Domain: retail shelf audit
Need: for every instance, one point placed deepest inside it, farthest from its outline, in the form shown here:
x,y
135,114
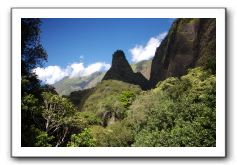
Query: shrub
x,y
178,112
84,139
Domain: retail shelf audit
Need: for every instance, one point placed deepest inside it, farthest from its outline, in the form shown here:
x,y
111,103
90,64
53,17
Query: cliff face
x,y
122,71
189,43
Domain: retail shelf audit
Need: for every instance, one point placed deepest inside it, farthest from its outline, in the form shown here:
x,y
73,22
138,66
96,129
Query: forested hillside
x,y
128,109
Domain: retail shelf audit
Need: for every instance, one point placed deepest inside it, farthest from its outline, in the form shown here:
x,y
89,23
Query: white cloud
x,y
140,52
78,69
52,74
95,68
75,69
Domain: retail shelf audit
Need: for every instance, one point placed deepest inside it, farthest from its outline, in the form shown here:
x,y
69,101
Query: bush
x,y
178,112
115,135
126,98
84,139
42,138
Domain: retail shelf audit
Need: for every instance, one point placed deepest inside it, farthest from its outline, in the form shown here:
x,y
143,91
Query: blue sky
x,y
92,41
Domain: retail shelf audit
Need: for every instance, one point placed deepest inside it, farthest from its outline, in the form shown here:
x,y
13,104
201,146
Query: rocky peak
x,y
122,71
189,43
118,56
120,63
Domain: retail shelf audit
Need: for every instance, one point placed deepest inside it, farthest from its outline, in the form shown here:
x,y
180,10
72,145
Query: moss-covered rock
x,y
189,43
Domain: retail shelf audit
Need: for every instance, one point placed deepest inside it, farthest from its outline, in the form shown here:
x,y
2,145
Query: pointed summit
x,y
122,71
120,63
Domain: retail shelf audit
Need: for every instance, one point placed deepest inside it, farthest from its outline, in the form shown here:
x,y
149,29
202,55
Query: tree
x,y
32,51
112,109
30,115
32,55
57,112
42,138
115,135
84,139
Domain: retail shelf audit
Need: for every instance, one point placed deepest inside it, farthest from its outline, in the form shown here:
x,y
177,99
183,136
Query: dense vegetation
x,y
178,112
32,55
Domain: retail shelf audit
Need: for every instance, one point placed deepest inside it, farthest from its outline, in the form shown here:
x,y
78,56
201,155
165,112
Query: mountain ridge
x,y
68,85
189,43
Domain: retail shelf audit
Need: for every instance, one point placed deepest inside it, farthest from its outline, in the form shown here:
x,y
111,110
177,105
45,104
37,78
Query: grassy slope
x,y
105,92
68,85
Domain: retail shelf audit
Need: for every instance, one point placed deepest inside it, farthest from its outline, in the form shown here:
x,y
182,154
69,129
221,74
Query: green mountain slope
x,y
178,112
109,99
108,110
68,85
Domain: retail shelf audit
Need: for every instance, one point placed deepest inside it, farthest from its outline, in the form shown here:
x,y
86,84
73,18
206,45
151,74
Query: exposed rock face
x,y
122,71
189,43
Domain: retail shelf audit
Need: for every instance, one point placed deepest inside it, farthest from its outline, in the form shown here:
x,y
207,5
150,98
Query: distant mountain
x,y
68,85
144,67
189,43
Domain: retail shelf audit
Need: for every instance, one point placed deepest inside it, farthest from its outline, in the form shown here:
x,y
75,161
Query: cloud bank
x,y
52,74
140,52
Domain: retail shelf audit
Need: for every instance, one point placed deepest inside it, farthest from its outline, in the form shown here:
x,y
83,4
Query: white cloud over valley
x,y
145,52
52,74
